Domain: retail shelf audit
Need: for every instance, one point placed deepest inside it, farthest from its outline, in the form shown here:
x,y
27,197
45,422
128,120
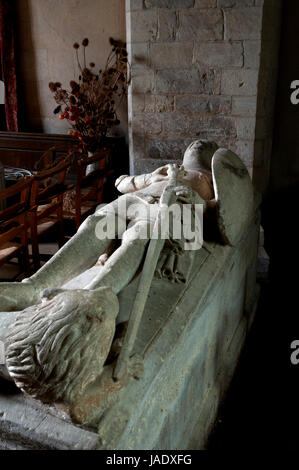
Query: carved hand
x,y
162,173
187,195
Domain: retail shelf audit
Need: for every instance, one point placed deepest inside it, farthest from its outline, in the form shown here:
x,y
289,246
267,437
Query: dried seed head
x,y
86,73
52,87
85,42
76,45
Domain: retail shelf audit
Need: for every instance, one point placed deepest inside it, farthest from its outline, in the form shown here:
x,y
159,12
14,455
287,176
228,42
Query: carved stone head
x,y
199,154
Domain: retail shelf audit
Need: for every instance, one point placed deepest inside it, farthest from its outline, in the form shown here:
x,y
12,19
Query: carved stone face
x,y
198,155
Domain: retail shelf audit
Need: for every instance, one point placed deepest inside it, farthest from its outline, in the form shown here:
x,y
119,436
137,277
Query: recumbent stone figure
x,y
59,325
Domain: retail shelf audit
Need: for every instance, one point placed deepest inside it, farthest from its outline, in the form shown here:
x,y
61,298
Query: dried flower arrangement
x,y
91,104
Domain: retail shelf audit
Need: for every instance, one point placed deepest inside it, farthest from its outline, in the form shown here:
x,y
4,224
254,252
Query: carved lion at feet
x,y
58,347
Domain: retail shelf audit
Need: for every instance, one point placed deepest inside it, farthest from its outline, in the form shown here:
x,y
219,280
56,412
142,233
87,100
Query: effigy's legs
x,y
76,256
122,265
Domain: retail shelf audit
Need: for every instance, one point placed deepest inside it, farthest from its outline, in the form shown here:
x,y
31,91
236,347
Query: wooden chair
x,y
13,224
47,160
46,205
89,187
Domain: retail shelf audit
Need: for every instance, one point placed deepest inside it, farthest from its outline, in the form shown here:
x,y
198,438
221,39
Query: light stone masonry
x,y
244,106
168,3
203,104
235,3
167,25
206,81
200,25
144,25
239,82
168,55
252,54
205,3
202,69
219,54
243,23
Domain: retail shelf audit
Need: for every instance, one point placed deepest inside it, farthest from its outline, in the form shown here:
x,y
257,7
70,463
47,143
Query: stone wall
x,y
47,31
195,74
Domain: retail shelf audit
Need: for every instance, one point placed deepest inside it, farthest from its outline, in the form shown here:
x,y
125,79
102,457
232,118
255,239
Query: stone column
x,y
195,74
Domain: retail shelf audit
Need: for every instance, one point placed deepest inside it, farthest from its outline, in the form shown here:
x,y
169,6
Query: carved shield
x,y
234,195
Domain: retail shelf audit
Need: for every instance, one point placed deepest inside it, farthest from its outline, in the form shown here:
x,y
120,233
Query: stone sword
x,y
168,197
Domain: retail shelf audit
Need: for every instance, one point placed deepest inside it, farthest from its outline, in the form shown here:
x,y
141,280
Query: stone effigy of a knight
x,y
65,338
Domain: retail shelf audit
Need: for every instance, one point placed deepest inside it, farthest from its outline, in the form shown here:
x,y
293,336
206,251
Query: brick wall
x,y
195,74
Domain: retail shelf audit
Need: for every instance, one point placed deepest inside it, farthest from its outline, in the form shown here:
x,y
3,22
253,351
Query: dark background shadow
x,y
261,410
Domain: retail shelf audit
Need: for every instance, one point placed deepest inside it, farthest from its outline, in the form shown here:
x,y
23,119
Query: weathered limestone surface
x,y
186,314
26,424
206,58
188,363
189,381
243,23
